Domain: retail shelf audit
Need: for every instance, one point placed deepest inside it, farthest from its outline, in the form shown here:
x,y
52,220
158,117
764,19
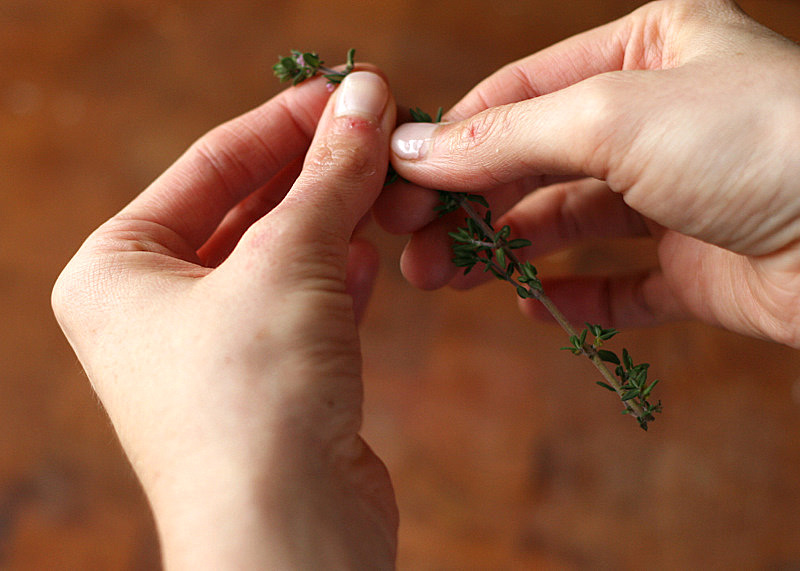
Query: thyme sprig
x,y
302,65
479,243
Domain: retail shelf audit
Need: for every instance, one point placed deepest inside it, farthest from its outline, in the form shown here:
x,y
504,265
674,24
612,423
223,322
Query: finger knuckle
x,y
346,159
481,140
599,112
480,134
70,298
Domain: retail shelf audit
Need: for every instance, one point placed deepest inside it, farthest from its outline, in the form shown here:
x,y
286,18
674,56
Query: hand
x,y
216,318
687,111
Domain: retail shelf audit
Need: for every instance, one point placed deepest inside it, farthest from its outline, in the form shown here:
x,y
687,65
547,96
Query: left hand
x,y
216,318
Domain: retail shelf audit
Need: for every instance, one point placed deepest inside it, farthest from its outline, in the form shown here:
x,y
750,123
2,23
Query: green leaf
x,y
626,359
285,69
312,60
419,116
473,227
649,389
628,395
501,257
523,292
518,243
607,334
608,356
606,386
528,271
477,198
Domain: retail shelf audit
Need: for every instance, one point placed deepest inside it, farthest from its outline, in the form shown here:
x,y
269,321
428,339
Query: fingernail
x,y
363,94
411,141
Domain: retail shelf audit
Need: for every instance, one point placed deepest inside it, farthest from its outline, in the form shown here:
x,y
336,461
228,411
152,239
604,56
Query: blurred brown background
x,y
503,452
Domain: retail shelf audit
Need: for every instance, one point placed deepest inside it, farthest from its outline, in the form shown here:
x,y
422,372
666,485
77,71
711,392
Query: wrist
x,y
302,513
306,523
210,521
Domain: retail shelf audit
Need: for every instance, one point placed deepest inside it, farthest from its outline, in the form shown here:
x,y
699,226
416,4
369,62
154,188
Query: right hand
x,y
680,120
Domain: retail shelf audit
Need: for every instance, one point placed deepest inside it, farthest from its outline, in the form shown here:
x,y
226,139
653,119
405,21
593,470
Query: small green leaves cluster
x,y
529,277
633,387
636,388
578,342
451,201
420,116
479,243
302,65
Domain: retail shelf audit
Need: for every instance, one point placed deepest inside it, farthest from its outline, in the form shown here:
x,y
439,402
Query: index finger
x,y
645,39
570,61
230,162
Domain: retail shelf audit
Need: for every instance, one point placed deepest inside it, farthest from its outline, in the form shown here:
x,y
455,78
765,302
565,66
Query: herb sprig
x,y
479,243
302,65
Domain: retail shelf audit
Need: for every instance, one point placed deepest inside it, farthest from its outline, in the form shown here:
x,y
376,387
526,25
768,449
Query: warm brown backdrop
x,y
503,453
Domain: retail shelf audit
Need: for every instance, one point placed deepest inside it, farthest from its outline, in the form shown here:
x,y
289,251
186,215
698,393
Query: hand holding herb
x,y
230,364
668,154
630,154
233,378
479,243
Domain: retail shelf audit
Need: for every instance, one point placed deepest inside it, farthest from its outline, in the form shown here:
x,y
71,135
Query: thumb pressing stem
x,y
346,164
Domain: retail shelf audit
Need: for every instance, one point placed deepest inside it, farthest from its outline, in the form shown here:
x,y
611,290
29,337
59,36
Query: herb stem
x,y
463,202
589,351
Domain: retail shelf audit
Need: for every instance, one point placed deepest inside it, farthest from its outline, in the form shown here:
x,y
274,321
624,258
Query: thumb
x,y
345,167
561,133
342,175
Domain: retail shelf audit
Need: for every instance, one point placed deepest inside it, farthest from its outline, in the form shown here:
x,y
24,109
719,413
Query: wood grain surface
x,y
503,453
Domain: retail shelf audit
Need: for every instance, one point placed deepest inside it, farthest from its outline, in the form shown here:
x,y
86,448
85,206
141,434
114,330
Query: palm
x,y
752,295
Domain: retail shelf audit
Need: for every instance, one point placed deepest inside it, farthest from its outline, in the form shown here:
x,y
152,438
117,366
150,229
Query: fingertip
x,y
470,155
412,141
425,262
403,207
362,94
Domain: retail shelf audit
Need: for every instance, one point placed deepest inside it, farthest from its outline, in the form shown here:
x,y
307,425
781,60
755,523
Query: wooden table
x,y
502,455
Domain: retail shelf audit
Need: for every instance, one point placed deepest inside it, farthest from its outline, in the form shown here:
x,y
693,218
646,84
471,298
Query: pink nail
x,y
362,93
412,141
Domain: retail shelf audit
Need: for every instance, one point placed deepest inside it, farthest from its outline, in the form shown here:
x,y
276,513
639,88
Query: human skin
x,y
678,121
215,316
